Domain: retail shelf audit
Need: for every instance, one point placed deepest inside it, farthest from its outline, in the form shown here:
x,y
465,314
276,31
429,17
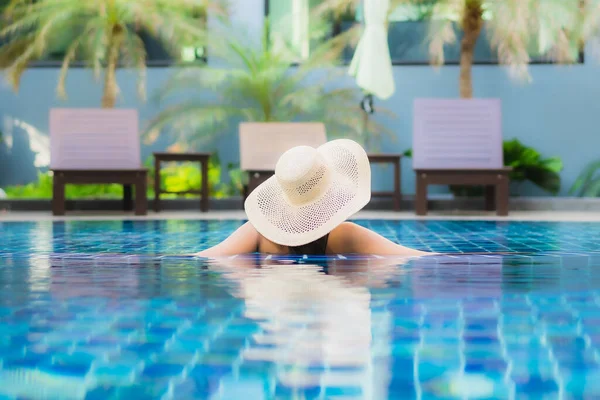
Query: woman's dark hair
x,y
317,247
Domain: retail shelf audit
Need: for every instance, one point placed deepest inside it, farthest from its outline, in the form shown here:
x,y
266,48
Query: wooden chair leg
x,y
156,185
58,195
421,196
490,198
141,200
502,194
127,200
205,188
252,182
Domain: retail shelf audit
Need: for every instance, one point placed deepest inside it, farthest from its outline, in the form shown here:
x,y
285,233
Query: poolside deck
x,y
565,216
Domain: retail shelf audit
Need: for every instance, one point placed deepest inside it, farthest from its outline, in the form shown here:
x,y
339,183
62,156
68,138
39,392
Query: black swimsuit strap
x,y
322,250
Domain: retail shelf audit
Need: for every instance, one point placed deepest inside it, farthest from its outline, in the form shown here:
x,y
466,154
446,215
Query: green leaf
x,y
553,164
544,178
263,84
528,165
585,178
592,189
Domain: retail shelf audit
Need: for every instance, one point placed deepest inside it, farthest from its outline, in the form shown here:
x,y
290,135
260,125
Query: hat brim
x,y
349,190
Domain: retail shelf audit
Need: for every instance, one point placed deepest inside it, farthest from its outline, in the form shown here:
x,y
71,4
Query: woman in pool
x,y
303,208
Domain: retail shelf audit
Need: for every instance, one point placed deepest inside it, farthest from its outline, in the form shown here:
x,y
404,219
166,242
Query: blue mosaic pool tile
x,y
162,370
401,389
24,360
584,384
522,322
225,345
212,367
491,366
175,355
537,386
102,393
201,333
201,383
114,374
77,364
145,348
146,391
344,392
310,392
256,367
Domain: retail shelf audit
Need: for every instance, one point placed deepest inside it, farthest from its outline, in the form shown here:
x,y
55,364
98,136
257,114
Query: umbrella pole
x,y
365,132
366,105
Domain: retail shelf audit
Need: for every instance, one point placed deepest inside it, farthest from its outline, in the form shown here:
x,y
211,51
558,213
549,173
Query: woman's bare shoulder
x,y
349,237
346,228
244,240
346,225
341,238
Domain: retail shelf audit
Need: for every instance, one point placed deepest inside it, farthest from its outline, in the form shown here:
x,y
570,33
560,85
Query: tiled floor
x,y
172,237
111,310
592,216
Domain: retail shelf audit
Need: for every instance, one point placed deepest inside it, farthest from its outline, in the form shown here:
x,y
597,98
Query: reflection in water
x,y
318,324
33,384
131,326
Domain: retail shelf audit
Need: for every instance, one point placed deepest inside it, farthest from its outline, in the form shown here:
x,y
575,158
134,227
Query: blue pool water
x,y
101,310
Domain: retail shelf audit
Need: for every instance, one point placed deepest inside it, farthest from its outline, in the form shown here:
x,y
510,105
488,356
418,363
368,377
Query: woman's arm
x,y
353,238
244,240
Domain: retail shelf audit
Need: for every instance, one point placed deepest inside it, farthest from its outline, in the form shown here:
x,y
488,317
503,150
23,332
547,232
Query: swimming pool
x,y
101,310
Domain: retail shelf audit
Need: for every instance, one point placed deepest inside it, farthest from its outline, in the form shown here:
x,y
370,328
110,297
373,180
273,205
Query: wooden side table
x,y
202,158
394,159
255,178
496,182
126,177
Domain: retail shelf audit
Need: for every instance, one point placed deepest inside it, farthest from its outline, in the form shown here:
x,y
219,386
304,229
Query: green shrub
x,y
528,165
42,189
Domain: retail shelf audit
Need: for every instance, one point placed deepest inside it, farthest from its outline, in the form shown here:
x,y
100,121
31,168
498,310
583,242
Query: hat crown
x,y
303,174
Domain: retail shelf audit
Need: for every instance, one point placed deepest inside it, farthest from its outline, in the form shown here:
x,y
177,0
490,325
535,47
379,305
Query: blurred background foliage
x,y
174,177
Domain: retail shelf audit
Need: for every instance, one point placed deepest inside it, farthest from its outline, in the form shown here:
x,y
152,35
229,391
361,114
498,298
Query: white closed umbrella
x,y
372,64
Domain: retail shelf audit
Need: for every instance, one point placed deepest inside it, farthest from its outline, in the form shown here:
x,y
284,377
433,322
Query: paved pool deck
x,y
564,216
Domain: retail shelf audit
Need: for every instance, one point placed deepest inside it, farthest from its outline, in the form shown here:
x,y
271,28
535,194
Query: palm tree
x,y
261,83
517,29
105,34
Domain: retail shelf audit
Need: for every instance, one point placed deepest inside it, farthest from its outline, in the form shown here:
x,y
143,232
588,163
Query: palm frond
x,y
590,20
69,57
260,83
18,66
441,28
134,55
194,79
519,29
85,30
334,7
509,31
200,116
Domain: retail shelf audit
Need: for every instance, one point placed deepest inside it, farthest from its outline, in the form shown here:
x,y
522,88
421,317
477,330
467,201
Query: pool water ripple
x,y
113,310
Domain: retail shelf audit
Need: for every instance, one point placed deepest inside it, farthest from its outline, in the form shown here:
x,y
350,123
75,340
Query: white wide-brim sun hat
x,y
312,192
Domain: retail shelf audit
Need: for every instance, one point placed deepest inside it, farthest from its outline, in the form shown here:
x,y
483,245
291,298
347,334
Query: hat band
x,y
311,189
